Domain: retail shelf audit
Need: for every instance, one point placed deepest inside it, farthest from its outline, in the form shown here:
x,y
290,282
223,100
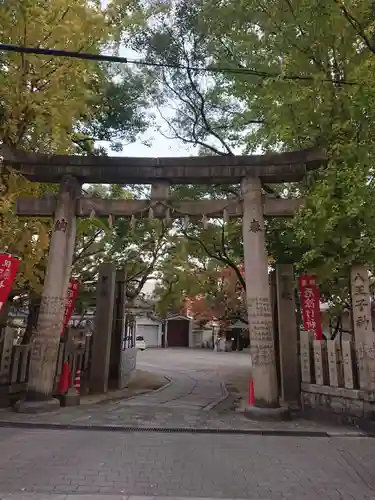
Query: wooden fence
x,y
75,348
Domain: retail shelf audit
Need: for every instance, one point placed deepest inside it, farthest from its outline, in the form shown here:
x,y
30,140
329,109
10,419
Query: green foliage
x,y
301,76
196,257
137,251
120,114
61,105
311,40
42,98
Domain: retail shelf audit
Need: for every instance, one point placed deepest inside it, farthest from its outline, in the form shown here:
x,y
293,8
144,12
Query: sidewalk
x,y
150,464
169,445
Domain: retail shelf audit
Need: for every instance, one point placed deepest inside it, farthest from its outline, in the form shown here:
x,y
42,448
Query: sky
x,y
160,145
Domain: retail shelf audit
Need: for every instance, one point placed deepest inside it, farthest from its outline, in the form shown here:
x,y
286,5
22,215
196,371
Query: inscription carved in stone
x,y
37,350
363,334
61,225
263,354
255,226
261,332
286,284
348,364
306,343
318,362
333,363
260,319
50,319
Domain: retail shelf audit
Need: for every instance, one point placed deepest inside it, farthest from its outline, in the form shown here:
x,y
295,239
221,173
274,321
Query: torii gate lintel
x,y
87,207
226,169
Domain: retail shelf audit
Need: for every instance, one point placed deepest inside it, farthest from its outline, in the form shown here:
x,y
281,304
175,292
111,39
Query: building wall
x,y
179,332
140,321
199,336
128,366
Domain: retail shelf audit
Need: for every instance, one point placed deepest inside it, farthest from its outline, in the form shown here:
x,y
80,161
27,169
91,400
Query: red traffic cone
x,y
251,392
64,380
77,381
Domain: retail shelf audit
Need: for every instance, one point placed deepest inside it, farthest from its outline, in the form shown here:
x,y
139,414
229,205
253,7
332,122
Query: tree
x,y
295,76
193,110
196,261
321,94
59,105
224,302
136,250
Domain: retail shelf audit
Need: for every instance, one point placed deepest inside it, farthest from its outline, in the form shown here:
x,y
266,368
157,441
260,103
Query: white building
x,y
150,329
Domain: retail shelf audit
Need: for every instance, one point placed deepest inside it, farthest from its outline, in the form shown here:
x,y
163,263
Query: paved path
x,y
197,384
196,378
107,451
185,465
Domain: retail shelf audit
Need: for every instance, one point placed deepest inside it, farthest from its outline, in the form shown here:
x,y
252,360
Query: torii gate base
x,y
251,171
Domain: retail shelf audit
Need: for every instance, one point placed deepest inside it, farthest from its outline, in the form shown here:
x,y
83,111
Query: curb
x,y
167,384
185,430
124,398
215,403
37,494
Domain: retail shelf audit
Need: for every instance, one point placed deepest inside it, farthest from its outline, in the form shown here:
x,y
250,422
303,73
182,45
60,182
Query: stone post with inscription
x,y
288,333
118,327
102,338
46,340
362,327
259,305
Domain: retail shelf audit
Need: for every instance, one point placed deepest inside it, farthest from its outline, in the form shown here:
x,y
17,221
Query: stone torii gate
x,y
70,172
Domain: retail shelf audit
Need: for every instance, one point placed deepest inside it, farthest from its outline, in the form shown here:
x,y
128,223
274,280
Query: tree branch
x,y
229,261
218,256
86,246
202,111
356,25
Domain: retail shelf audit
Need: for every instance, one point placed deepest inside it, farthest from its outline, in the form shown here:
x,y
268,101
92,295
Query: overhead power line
x,y
207,69
62,53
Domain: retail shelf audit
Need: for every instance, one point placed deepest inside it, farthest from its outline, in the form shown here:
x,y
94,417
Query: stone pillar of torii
x,y
253,206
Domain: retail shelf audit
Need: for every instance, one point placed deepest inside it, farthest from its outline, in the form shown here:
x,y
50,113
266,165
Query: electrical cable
x,y
206,69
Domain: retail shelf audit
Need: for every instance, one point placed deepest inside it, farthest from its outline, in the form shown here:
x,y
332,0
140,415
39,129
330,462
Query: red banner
x,y
8,270
310,304
71,302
